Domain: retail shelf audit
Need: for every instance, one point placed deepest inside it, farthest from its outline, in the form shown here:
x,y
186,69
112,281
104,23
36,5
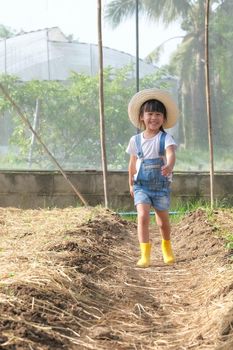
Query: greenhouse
x,y
47,54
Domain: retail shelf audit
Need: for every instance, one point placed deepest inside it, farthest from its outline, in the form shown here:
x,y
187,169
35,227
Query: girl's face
x,y
152,120
152,115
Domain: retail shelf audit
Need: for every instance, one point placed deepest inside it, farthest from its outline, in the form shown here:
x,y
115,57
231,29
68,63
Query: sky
x,y
79,18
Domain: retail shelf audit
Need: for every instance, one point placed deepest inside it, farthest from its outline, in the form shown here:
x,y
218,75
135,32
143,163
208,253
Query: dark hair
x,y
153,106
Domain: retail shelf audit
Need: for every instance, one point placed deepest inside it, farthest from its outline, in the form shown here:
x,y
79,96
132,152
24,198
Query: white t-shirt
x,y
150,147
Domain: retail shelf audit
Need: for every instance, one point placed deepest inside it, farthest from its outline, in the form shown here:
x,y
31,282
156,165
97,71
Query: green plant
x,y
68,121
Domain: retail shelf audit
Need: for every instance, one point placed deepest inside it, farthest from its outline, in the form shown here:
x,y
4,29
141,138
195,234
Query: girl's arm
x,y
132,170
171,159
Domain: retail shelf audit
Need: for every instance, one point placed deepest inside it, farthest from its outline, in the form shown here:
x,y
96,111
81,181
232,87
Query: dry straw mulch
x,y
68,281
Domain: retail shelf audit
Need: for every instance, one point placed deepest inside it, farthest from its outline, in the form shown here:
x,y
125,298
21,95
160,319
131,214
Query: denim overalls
x,y
151,186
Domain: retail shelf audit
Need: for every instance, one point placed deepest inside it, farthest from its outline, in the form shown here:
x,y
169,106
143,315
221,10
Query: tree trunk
x,y
186,111
199,98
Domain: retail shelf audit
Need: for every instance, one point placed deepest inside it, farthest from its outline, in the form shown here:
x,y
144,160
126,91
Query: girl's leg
x,y
143,211
143,234
162,219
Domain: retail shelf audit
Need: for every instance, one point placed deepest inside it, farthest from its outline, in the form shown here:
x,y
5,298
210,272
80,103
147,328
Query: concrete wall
x,y
49,189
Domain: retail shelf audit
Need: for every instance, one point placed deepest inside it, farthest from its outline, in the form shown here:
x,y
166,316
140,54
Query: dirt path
x,y
69,281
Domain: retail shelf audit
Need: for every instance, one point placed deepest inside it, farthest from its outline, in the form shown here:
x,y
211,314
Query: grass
x,y
176,213
182,208
229,244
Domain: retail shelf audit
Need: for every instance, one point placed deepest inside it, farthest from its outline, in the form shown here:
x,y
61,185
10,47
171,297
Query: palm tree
x,y
188,61
222,71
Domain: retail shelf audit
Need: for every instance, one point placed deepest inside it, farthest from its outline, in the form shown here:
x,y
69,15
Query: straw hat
x,y
153,94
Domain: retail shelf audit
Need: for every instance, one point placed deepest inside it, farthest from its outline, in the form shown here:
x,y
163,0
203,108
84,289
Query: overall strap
x,y
139,146
162,144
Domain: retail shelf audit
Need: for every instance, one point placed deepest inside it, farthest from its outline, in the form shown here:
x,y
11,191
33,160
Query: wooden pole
x,y
137,49
208,103
101,102
137,46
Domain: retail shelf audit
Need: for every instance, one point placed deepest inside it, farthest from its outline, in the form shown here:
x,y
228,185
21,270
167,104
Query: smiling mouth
x,y
154,124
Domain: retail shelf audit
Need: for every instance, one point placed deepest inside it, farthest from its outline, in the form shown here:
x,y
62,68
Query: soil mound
x,y
69,281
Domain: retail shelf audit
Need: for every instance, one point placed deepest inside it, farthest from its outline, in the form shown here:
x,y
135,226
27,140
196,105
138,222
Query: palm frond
x,y
154,56
167,11
119,10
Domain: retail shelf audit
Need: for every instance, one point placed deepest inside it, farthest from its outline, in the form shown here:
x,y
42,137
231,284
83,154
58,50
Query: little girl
x,y
152,158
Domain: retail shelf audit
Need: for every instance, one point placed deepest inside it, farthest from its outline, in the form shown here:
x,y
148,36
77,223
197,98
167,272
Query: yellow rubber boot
x,y
145,255
168,256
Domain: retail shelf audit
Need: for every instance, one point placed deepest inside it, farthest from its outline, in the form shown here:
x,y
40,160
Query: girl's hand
x,y
131,190
166,170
